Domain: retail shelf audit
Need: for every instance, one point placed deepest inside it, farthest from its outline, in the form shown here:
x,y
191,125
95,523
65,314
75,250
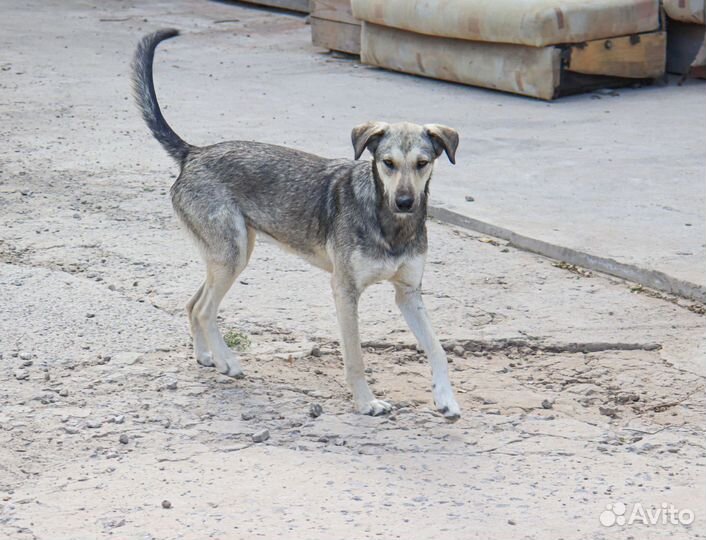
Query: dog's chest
x,y
368,270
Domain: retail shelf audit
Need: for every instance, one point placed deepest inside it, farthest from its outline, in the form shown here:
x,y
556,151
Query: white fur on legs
x,y
409,299
346,298
201,352
218,280
252,234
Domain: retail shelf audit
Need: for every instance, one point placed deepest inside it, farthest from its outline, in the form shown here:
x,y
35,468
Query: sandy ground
x,y
577,390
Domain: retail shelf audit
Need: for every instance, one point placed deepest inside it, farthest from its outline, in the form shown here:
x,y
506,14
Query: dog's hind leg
x,y
225,243
219,278
201,351
346,297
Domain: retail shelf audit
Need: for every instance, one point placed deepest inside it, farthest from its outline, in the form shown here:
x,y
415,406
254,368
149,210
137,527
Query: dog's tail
x,y
143,88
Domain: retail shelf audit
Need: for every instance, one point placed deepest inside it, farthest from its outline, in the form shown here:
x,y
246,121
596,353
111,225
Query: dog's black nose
x,y
404,203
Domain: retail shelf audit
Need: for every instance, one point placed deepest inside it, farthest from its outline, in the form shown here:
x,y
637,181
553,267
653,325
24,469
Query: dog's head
x,y
403,157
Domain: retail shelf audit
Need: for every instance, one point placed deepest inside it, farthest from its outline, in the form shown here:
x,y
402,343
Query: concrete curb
x,y
649,278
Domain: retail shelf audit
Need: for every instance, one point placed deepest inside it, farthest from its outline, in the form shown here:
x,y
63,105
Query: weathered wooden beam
x,y
334,27
336,36
640,56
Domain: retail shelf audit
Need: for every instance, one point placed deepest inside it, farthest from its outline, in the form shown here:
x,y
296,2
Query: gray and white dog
x,y
361,221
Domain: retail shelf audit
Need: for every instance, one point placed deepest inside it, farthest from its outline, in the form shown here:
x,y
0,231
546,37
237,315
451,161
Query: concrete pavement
x,y
576,391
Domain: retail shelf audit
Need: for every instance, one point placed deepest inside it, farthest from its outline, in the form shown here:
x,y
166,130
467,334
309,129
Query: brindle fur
x,y
362,221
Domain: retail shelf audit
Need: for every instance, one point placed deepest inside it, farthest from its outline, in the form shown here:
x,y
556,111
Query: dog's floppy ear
x,y
367,136
444,139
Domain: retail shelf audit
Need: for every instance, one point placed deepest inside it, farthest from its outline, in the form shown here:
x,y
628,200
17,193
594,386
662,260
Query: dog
x,y
362,221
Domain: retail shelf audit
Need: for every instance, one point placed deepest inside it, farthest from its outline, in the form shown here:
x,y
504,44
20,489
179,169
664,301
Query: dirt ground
x,y
577,390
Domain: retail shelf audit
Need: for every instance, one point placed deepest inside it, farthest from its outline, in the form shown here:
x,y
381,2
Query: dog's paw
x,y
446,403
204,360
375,407
228,364
234,371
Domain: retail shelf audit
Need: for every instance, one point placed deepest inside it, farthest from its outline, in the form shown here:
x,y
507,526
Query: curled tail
x,y
143,88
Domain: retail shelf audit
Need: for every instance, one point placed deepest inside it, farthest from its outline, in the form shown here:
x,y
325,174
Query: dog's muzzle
x,y
404,203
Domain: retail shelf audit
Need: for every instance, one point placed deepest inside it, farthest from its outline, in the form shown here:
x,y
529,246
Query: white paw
x,y
204,359
446,403
229,365
235,371
375,407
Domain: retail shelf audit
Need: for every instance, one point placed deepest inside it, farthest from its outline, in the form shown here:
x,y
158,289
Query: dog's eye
x,y
422,163
388,163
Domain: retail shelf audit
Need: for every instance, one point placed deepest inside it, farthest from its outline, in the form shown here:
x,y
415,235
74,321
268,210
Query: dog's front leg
x,y
409,299
346,297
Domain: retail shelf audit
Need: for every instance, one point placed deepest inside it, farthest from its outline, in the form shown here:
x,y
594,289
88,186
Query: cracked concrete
x,y
577,389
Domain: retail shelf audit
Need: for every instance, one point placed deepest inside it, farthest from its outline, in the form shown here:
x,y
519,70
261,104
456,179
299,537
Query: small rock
x,y
166,504
171,385
71,430
315,351
315,410
607,411
322,394
90,315
21,374
124,439
622,399
26,363
63,392
114,524
511,522
261,436
94,424
119,419
25,356
546,404
459,351
247,416
469,198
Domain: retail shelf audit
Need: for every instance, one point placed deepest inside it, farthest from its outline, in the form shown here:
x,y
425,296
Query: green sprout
x,y
237,340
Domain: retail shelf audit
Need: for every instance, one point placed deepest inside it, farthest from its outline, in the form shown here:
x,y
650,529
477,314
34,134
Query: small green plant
x,y
237,340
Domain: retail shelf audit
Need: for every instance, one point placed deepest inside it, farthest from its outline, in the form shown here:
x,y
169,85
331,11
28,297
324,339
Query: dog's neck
x,y
400,231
